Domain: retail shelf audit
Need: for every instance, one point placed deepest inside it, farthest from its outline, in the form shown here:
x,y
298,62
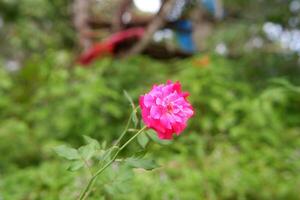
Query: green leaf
x,y
87,151
147,164
143,140
285,83
140,154
76,165
91,141
153,135
134,115
67,152
129,99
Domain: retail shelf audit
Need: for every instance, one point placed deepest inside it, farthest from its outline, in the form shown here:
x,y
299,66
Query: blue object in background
x,y
210,5
214,7
184,35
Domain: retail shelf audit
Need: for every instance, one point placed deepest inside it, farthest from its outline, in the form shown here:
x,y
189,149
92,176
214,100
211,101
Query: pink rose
x,y
166,109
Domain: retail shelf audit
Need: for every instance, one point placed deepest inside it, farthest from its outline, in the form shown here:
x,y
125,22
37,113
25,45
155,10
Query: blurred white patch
x,y
161,35
12,65
295,6
126,18
294,44
151,6
254,43
288,39
272,30
257,42
221,49
176,12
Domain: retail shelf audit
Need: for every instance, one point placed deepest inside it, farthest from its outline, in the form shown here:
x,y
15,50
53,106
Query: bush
x,y
243,139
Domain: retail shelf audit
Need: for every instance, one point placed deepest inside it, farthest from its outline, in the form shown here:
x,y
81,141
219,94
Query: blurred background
x,y
64,66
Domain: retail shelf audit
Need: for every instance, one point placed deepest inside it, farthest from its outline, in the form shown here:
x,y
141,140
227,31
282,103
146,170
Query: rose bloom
x,y
166,109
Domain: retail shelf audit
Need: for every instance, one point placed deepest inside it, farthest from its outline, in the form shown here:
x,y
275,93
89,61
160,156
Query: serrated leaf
x,y
67,152
143,140
147,164
153,136
87,151
76,165
92,141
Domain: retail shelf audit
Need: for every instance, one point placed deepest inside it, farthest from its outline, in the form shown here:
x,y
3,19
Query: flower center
x,y
169,108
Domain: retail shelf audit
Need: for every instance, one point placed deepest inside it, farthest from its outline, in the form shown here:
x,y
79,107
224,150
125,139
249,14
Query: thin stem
x,y
132,138
124,131
126,127
87,189
122,134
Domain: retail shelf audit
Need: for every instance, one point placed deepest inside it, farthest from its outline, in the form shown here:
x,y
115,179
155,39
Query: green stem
x,y
124,131
87,189
122,134
126,127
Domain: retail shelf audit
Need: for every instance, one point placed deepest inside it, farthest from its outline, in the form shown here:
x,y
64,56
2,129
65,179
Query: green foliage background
x,y
243,142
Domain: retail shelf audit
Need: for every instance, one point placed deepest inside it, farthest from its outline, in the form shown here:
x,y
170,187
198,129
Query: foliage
x,y
243,142
236,143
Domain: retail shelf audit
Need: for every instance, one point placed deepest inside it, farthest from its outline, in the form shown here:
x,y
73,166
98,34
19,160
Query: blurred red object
x,y
109,45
